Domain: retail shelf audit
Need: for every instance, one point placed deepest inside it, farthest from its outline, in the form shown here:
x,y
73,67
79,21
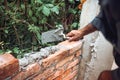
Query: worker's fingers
x,y
70,34
73,38
74,35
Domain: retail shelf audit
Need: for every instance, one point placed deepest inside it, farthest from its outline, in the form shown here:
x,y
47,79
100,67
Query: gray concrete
x,y
32,57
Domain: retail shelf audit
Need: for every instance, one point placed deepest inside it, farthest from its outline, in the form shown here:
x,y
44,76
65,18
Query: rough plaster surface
x,y
114,66
97,52
101,58
37,56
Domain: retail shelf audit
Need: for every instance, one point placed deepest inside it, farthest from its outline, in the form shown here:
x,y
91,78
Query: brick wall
x,y
60,62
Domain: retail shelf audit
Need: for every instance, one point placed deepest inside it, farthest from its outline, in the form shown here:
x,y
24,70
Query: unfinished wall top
x,y
60,62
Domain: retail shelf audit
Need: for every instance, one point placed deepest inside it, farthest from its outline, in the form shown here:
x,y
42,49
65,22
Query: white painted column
x,y
97,52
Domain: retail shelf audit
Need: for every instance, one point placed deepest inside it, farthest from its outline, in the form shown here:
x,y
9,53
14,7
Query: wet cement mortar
x,y
33,57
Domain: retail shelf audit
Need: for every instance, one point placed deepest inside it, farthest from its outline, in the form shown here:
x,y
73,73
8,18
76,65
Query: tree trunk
x,y
97,52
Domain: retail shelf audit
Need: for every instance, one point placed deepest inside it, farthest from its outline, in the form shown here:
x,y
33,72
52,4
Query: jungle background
x,y
23,21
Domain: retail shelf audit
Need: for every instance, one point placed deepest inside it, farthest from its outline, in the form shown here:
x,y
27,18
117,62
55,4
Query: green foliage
x,y
23,21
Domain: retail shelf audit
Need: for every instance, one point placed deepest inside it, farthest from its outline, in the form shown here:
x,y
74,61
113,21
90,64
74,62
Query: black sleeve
x,y
99,22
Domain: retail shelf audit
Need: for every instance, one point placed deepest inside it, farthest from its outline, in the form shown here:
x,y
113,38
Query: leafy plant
x,y
23,21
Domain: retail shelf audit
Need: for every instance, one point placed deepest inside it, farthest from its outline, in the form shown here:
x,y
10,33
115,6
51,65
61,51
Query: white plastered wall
x,y
97,52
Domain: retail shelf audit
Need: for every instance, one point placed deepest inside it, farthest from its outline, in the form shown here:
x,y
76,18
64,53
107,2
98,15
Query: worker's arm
x,y
96,24
78,34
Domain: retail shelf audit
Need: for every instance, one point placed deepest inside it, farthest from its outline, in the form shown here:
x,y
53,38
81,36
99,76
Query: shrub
x,y
23,21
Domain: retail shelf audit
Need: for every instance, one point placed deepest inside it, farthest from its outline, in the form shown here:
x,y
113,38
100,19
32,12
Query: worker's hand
x,y
78,34
75,35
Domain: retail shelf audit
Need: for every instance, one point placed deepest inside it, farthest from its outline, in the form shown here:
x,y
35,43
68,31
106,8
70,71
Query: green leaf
x,y
36,30
34,19
35,48
71,1
74,25
38,36
55,9
6,31
73,11
39,1
1,51
23,6
39,9
50,5
32,1
33,28
8,51
30,13
44,20
19,56
46,11
16,50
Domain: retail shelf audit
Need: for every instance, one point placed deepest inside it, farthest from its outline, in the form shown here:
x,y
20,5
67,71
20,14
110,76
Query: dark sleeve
x,y
99,22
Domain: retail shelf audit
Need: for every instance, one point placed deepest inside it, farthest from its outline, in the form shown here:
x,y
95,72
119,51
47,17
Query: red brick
x,y
76,67
52,59
45,74
58,72
69,71
71,46
8,66
73,63
78,53
63,70
67,59
68,48
71,75
58,78
62,73
31,69
51,77
66,73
